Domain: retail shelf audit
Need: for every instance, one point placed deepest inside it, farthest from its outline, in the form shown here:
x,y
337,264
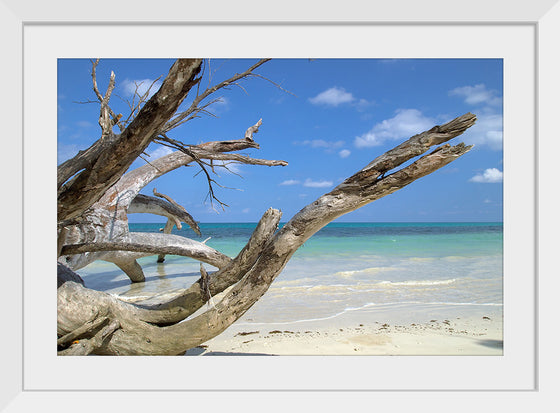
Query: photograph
x,y
280,206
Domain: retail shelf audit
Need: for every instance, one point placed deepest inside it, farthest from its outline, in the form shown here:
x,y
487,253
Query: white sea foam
x,y
455,258
441,303
296,287
346,310
418,282
335,285
421,259
370,270
380,305
361,288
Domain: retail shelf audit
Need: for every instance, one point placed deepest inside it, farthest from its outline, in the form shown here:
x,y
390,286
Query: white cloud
x,y
345,153
477,94
221,101
129,86
320,143
220,105
486,131
228,166
328,146
332,97
489,176
309,183
290,182
159,152
246,210
363,104
406,123
84,124
494,138
317,184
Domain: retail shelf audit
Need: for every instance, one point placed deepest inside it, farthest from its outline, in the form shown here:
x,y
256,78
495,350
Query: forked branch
x,y
257,272
106,165
107,118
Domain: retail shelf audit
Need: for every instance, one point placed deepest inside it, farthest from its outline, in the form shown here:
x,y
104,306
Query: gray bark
x,y
95,195
152,244
108,159
153,330
143,204
106,220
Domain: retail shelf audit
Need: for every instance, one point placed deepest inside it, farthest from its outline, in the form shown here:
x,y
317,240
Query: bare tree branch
x,y
107,220
193,298
142,98
95,195
151,243
111,163
242,159
274,83
166,230
105,110
150,205
204,284
252,129
135,180
180,307
183,116
197,154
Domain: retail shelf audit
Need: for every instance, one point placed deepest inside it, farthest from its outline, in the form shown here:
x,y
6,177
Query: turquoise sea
x,y
345,267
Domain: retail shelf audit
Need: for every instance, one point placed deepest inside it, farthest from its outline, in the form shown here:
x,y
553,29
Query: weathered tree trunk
x,y
155,329
109,158
106,220
95,196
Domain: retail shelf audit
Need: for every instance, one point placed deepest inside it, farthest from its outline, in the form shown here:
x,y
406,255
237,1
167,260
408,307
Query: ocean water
x,y
345,267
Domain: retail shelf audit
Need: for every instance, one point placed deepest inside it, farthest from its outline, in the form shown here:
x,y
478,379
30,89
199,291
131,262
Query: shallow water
x,y
345,267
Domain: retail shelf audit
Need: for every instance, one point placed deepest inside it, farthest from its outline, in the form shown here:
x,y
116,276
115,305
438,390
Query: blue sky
x,y
340,114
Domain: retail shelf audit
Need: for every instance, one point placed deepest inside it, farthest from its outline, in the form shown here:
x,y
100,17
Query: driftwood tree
x,y
95,194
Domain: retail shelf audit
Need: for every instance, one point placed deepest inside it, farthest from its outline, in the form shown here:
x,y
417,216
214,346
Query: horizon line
x,y
343,222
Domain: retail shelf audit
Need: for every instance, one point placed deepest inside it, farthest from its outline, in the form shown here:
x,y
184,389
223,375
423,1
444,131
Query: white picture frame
x,y
21,351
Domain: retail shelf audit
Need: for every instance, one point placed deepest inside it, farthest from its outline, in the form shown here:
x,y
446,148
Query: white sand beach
x,y
437,331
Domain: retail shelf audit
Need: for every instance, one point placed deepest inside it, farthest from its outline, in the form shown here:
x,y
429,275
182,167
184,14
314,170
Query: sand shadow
x,y
199,351
492,343
224,353
103,282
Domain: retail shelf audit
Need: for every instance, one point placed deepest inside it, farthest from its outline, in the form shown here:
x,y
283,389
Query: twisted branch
x,y
148,244
183,117
107,164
